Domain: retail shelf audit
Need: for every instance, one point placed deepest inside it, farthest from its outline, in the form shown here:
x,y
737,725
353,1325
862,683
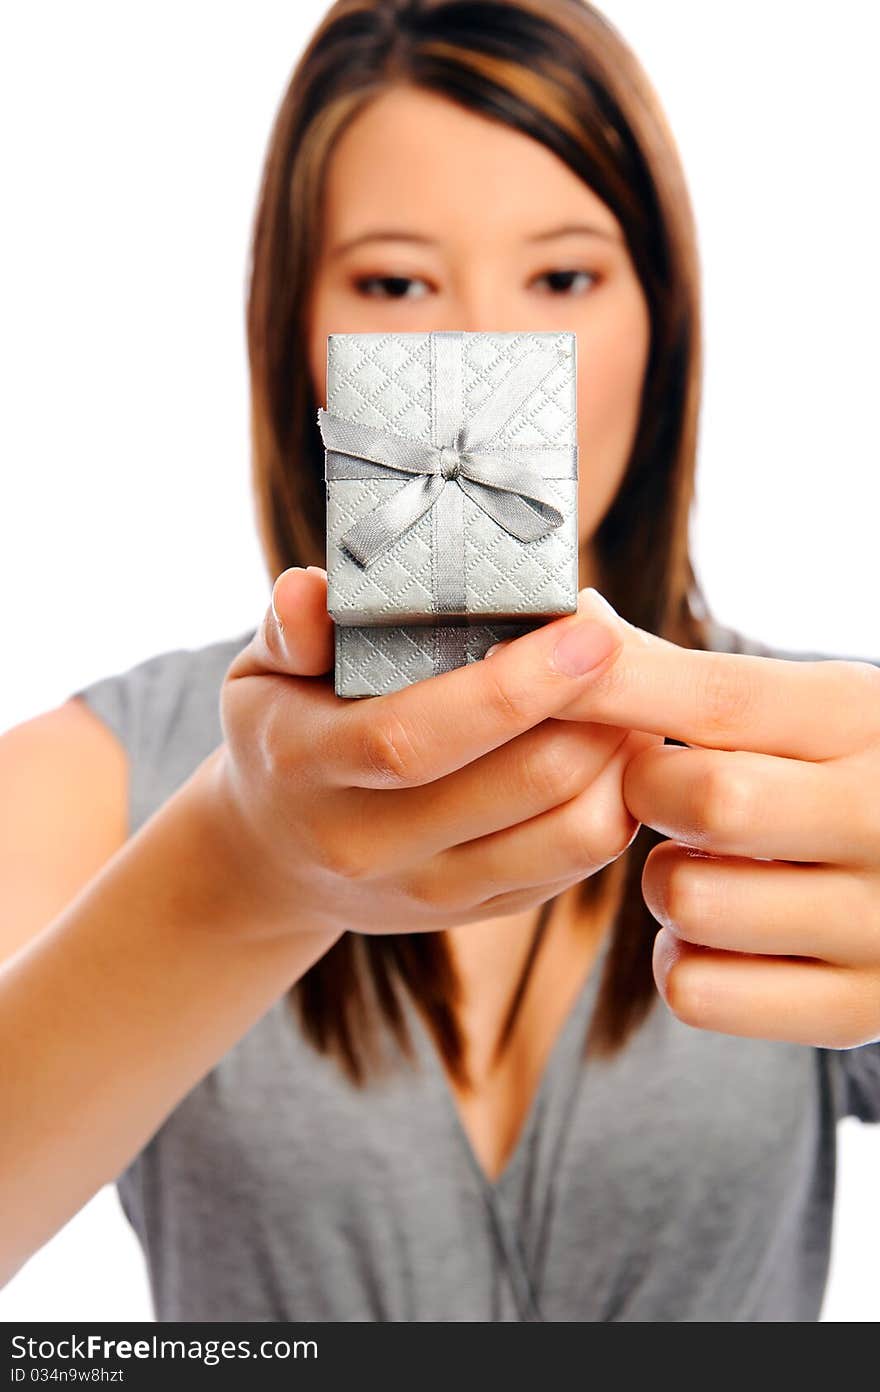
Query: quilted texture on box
x,y
383,380
371,661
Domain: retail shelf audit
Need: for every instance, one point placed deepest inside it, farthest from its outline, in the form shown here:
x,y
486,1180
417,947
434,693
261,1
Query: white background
x,y
133,138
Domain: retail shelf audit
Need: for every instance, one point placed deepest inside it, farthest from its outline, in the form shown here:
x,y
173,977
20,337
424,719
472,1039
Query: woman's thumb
x,y
304,637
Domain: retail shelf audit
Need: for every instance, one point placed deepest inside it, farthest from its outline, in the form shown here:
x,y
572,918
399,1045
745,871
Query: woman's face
x,y
438,218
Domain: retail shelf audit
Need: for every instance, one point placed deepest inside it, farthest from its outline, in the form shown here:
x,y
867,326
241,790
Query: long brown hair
x,y
558,71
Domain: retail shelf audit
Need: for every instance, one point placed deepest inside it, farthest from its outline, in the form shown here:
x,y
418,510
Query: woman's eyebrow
x,y
581,229
390,234
394,234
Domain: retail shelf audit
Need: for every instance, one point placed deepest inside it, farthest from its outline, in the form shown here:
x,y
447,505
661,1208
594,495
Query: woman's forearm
x,y
123,1003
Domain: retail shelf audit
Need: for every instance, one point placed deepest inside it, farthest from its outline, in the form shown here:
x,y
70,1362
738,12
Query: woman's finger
x,y
295,637
430,728
536,771
734,802
798,709
801,1001
765,907
570,841
515,901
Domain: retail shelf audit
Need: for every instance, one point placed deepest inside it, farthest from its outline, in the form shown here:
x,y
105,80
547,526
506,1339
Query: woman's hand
x,y
455,799
769,890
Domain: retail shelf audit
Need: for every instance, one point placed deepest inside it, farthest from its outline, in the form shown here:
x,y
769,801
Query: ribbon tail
x,y
526,520
371,535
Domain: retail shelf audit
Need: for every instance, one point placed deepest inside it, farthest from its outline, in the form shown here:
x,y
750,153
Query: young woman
x,y
287,968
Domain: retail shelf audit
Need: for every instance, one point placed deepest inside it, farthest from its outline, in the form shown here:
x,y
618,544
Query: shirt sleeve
x,y
110,699
855,1072
165,712
131,704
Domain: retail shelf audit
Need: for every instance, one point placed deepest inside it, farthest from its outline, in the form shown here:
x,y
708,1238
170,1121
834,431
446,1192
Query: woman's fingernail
x,y
582,647
598,598
496,647
317,569
275,613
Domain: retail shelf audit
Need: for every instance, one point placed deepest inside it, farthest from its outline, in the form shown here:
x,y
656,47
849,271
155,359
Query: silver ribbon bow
x,y
514,494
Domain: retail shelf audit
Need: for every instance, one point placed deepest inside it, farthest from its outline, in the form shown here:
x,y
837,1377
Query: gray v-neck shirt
x,y
691,1177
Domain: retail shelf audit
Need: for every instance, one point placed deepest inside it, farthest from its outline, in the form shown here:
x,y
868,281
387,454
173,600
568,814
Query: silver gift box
x,y
451,486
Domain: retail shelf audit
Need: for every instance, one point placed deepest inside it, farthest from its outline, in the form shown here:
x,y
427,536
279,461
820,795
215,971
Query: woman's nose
x,y
486,318
479,308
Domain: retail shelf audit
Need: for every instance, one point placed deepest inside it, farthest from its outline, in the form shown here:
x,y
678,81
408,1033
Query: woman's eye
x,y
392,287
561,282
397,286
